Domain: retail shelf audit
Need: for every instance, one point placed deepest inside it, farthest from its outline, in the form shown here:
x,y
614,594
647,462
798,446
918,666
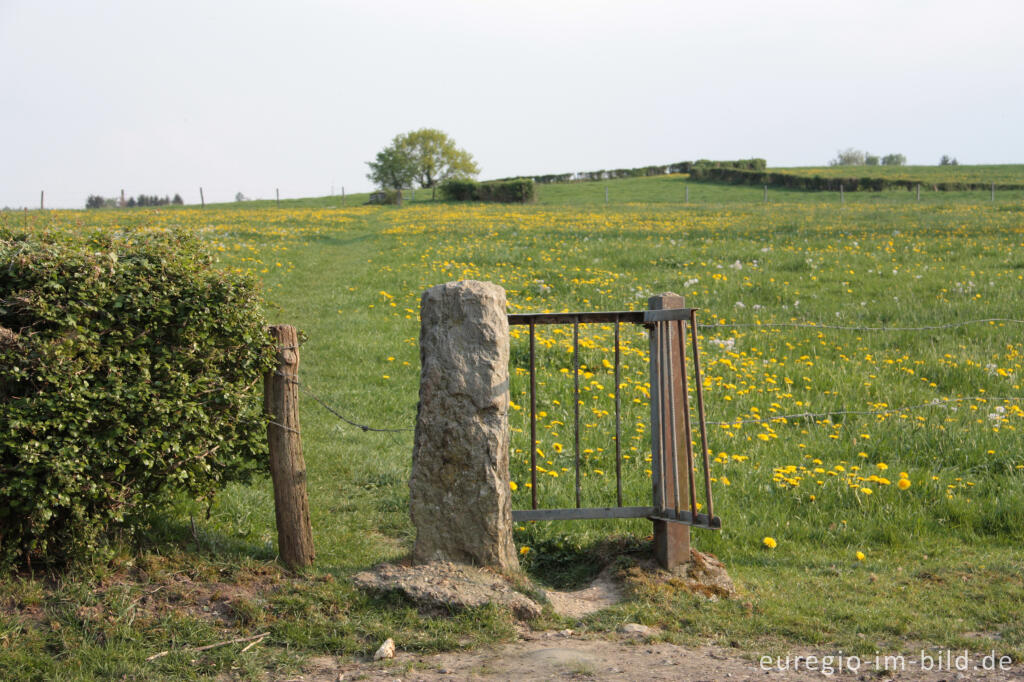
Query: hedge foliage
x,y
645,171
130,372
741,176
514,191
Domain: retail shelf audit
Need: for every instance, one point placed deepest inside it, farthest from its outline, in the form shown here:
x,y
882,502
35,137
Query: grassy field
x,y
793,293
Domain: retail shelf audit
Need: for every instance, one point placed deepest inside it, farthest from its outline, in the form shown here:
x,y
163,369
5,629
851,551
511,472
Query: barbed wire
x,y
812,325
937,402
294,379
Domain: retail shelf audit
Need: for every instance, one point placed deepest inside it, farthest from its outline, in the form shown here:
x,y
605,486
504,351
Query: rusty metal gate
x,y
673,470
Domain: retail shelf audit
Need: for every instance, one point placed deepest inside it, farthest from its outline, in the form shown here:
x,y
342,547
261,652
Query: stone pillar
x,y
459,490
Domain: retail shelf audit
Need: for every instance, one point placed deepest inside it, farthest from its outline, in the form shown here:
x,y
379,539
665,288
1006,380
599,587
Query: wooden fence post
x,y
671,540
287,467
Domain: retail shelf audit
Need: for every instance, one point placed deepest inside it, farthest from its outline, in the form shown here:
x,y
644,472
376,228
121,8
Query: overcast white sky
x,y
163,97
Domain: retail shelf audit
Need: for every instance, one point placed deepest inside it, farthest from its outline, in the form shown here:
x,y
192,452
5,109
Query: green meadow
x,y
862,368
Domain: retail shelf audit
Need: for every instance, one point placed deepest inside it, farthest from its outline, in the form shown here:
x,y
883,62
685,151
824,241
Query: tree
x,y
427,156
870,160
947,161
394,167
894,160
849,157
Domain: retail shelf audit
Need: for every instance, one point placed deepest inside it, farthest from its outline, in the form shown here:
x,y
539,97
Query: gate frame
x,y
672,477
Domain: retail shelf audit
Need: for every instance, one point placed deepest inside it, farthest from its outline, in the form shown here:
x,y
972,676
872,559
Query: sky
x,y
160,98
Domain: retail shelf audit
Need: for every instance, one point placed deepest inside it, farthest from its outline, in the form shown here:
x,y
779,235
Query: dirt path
x,y
555,656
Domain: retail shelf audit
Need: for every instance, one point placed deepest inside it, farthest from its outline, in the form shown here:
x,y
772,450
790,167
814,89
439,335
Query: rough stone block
x,y
459,488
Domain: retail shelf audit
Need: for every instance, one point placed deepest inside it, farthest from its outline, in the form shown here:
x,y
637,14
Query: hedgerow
x,y
130,372
514,191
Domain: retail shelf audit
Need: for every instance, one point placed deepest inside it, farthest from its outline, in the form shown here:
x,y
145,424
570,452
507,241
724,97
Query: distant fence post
x,y
671,540
287,467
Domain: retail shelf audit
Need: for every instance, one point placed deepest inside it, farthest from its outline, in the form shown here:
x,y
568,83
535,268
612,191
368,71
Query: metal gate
x,y
673,470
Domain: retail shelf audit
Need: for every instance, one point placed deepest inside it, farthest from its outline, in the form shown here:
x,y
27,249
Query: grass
x,y
942,562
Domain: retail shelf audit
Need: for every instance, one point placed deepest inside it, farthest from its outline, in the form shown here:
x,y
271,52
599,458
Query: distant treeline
x,y
644,171
740,176
96,201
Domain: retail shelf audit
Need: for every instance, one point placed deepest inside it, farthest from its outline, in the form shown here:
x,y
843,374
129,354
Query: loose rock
x,y
386,650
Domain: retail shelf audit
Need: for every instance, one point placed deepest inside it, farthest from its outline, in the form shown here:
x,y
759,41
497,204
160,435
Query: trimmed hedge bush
x,y
130,372
645,171
459,190
742,176
515,191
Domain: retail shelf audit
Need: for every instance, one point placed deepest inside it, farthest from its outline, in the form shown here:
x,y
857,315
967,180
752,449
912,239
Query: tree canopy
x,y
426,156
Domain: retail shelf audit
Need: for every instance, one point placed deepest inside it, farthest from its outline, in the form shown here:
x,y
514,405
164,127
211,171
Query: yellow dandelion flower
x,y
860,556
770,542
903,483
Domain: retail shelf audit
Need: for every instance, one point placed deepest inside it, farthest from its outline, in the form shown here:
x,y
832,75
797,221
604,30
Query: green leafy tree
x,y
849,157
394,167
427,156
894,160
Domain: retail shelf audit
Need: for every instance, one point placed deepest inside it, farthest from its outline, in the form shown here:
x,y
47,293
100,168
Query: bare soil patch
x,y
555,656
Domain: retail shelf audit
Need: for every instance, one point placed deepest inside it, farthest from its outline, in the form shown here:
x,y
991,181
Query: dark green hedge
x,y
130,372
645,171
459,190
515,191
742,176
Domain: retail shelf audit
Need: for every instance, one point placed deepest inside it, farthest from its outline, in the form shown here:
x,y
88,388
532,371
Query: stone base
x,y
447,585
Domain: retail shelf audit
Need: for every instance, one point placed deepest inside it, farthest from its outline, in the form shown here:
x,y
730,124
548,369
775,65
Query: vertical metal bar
x,y
533,421
686,420
618,422
662,462
700,412
576,401
657,481
672,431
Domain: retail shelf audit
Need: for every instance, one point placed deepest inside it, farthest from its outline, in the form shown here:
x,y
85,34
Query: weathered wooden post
x,y
671,540
287,467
